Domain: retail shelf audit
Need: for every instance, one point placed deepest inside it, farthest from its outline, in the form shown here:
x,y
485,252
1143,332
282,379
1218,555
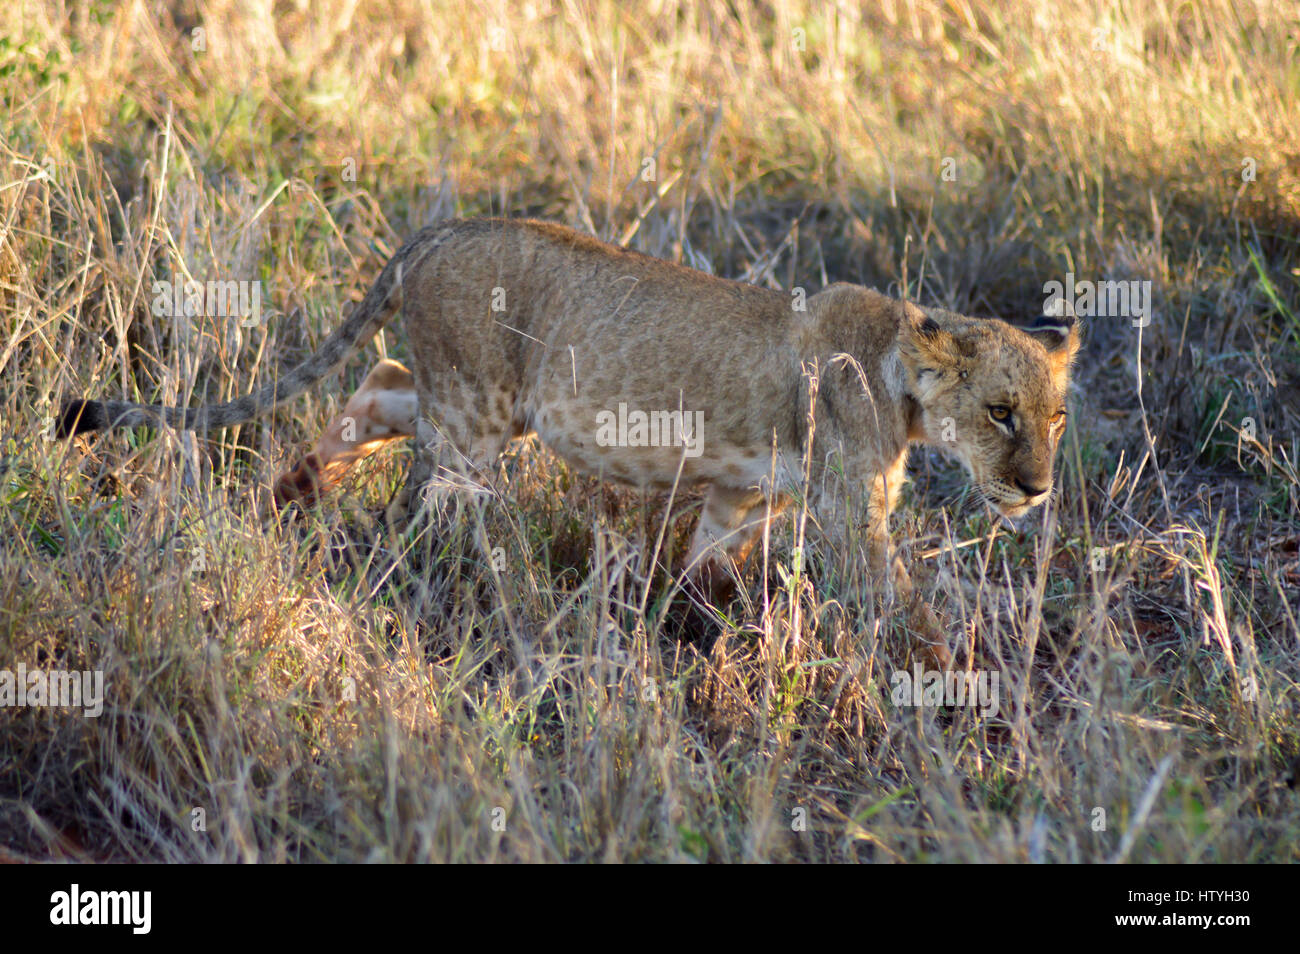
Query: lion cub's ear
x,y
922,343
1060,335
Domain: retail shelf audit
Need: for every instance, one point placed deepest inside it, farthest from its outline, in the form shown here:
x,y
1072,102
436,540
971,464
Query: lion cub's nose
x,y
1031,491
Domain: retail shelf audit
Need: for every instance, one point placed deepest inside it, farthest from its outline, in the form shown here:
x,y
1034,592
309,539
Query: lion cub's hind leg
x,y
383,410
463,427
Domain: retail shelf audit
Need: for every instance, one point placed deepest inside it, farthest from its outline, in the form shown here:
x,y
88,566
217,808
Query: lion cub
x,y
651,373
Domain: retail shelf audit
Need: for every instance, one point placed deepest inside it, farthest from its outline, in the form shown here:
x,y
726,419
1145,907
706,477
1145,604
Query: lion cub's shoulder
x,y
860,320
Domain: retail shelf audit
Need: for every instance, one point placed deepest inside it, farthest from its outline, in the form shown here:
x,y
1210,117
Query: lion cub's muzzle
x,y
1017,496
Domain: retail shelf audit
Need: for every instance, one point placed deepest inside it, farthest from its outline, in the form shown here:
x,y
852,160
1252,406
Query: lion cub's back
x,y
520,295
581,327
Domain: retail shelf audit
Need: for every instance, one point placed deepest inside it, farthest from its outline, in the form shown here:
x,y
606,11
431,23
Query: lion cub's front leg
x,y
931,641
732,519
730,524
886,569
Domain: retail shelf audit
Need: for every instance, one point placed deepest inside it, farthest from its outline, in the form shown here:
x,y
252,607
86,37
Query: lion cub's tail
x,y
379,305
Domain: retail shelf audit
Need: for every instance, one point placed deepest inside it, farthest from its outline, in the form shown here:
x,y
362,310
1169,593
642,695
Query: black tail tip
x,y
78,417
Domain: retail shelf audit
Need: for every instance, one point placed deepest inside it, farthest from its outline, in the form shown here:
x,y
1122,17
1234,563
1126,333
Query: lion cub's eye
x,y
1058,418
1000,413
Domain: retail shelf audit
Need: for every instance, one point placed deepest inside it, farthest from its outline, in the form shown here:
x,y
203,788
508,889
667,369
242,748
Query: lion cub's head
x,y
992,395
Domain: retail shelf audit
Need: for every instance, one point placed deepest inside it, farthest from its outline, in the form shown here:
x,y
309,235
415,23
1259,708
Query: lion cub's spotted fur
x,y
519,326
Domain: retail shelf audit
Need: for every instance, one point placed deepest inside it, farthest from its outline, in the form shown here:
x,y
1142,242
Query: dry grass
x,y
325,691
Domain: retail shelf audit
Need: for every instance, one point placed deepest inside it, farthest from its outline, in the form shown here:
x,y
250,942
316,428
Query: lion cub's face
x,y
993,396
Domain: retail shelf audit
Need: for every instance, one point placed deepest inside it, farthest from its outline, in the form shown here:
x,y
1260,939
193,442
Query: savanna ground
x,y
320,688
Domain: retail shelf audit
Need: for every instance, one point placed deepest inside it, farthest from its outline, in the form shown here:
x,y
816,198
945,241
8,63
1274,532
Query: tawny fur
x,y
517,326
